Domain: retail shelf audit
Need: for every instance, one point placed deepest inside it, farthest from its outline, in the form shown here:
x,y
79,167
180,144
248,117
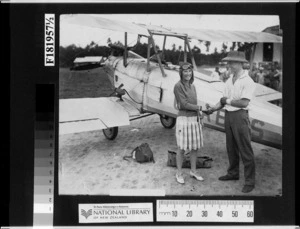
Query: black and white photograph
x,y
149,114
170,105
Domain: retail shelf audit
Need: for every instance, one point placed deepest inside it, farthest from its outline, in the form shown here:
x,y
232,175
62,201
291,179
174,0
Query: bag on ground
x,y
202,161
142,154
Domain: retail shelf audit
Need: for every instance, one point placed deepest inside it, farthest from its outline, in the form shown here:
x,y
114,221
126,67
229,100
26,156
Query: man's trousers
x,y
238,143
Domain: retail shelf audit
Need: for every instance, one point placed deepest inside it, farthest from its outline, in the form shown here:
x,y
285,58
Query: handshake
x,y
209,110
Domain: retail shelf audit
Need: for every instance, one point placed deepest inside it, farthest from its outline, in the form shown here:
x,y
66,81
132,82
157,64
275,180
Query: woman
x,y
188,126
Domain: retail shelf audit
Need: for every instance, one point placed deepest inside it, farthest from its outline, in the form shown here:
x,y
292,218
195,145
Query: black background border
x,y
23,59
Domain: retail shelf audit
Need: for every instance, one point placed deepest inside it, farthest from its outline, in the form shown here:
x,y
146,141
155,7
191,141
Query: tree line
x,y
68,54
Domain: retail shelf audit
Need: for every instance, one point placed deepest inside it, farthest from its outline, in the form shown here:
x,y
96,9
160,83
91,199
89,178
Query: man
x,y
279,72
215,75
237,95
226,74
253,73
261,76
275,78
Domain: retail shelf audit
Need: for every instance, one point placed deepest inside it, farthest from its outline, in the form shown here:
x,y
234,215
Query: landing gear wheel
x,y
111,133
167,122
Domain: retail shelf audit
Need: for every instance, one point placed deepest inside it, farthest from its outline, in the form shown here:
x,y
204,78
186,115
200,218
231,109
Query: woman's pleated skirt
x,y
189,134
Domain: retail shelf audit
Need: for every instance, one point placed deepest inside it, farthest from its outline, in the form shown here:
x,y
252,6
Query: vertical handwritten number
x,y
49,42
50,49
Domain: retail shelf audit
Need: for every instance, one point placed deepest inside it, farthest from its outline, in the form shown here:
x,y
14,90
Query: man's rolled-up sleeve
x,y
248,90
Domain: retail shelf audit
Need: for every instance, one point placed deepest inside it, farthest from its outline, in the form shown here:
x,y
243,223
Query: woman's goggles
x,y
186,66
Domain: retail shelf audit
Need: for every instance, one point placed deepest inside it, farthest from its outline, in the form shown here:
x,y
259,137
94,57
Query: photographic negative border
x,y
27,70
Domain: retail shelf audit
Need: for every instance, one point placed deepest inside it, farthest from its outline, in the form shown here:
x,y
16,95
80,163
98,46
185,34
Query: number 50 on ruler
x,y
205,211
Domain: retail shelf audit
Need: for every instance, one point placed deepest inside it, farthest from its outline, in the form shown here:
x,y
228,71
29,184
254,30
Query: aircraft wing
x,y
104,23
217,35
233,36
199,34
264,93
87,114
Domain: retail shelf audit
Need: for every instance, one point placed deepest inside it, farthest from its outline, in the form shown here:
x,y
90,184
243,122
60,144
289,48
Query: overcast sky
x,y
82,36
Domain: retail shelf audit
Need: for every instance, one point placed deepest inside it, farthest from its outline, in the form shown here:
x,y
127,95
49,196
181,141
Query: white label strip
x,y
43,208
112,213
205,211
137,192
49,39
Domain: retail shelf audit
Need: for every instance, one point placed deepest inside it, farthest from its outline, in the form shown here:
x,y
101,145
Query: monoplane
x,y
144,86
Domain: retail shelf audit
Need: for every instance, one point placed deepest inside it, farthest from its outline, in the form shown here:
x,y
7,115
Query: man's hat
x,y
236,56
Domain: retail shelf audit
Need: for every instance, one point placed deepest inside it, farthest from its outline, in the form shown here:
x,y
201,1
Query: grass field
x,y
83,84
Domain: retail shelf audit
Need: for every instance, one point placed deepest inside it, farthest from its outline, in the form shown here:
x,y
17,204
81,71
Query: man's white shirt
x,y
243,88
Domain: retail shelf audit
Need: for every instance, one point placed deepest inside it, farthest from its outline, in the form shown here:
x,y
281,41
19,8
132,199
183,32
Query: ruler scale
x,y
43,169
205,211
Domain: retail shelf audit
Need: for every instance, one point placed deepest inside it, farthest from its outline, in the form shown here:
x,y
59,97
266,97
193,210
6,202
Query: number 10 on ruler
x,y
205,211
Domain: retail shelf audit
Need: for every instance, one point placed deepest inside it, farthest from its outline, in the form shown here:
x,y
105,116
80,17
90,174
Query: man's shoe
x,y
179,178
196,176
247,188
228,177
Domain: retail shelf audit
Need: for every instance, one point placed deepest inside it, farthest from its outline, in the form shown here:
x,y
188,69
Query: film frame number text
x,y
49,39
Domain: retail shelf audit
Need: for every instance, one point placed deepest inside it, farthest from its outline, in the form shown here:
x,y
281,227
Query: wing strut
x,y
192,55
185,54
148,55
157,56
125,50
252,56
164,45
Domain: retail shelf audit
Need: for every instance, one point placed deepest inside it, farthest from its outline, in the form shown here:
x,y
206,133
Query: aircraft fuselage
x,y
150,91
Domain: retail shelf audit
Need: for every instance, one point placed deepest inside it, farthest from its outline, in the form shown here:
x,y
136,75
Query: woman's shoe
x,y
196,176
179,178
